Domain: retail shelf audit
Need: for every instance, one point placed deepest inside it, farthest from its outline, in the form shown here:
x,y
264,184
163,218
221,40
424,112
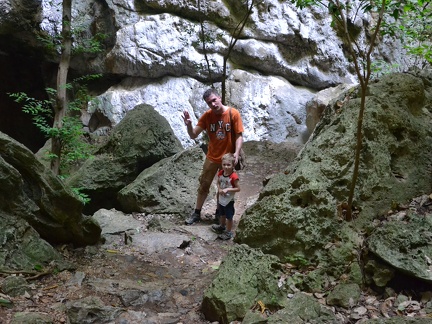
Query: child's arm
x,y
236,188
219,190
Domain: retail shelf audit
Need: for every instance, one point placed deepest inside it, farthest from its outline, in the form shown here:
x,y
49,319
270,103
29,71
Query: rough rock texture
x,y
21,246
344,295
141,139
245,276
316,106
303,309
34,194
299,207
405,245
398,320
86,309
36,207
168,186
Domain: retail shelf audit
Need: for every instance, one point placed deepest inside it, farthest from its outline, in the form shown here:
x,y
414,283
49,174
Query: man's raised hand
x,y
186,118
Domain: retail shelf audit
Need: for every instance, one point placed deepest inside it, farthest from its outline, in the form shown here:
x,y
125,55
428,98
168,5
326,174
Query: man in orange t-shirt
x,y
216,122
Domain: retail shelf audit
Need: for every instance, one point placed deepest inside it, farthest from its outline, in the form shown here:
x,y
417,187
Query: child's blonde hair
x,y
229,157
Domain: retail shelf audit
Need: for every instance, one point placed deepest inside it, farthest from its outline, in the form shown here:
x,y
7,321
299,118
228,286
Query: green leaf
x,y
5,303
38,267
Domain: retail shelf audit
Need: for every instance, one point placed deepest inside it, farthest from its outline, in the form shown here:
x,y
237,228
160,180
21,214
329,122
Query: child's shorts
x,y
227,210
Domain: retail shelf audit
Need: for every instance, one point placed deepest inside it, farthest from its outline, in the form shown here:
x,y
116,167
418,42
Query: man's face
x,y
215,104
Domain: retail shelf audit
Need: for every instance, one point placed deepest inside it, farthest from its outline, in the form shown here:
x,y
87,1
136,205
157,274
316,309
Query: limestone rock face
x,y
297,212
154,53
141,139
272,109
36,207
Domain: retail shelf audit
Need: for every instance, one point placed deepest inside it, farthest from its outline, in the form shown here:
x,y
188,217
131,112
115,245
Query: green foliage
x,y
381,67
89,45
412,25
81,44
40,110
84,198
297,260
38,267
74,146
6,303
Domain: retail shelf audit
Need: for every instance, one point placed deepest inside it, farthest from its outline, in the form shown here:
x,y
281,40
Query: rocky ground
x,y
154,269
151,269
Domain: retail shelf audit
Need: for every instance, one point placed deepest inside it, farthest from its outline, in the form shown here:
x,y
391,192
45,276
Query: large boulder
x,y
21,246
36,207
141,139
299,217
167,187
300,206
245,276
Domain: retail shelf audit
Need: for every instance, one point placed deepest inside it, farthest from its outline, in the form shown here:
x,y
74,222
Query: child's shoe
x,y
226,236
219,229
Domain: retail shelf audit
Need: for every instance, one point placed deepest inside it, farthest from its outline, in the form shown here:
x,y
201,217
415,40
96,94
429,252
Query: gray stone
x,y
15,286
303,309
405,245
167,187
31,318
77,279
36,208
90,310
398,320
378,273
22,247
114,222
156,242
344,295
231,296
33,193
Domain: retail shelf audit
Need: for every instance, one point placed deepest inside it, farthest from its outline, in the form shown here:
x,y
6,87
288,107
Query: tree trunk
x,y
364,82
234,38
60,107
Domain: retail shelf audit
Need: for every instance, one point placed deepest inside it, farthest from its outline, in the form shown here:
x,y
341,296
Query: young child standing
x,y
228,185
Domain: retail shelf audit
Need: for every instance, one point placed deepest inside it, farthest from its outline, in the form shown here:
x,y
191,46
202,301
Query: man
x,y
216,122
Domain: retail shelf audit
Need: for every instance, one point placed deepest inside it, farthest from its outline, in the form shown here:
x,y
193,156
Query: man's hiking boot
x,y
219,229
226,236
194,218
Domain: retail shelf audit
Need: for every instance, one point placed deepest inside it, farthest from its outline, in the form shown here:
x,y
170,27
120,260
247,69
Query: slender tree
x,y
60,106
235,35
343,14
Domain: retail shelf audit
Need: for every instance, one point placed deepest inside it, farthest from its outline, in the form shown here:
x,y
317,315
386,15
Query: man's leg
x,y
205,180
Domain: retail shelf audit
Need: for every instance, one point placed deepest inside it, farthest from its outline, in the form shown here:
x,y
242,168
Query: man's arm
x,y
192,131
238,145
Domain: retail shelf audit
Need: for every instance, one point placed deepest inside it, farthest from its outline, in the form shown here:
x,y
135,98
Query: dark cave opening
x,y
21,74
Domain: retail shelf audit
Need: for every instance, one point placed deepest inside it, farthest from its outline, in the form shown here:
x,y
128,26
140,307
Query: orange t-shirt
x,y
218,129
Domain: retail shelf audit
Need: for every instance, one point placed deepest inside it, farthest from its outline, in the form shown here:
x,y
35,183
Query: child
x,y
228,185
